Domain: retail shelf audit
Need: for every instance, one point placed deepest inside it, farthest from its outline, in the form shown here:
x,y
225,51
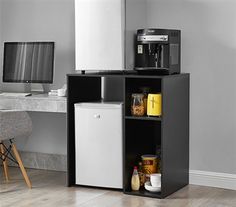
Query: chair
x,y
13,124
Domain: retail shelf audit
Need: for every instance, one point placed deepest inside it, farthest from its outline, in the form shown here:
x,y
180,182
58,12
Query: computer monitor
x,y
28,62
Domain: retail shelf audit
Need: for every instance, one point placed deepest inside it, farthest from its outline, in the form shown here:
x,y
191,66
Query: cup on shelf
x,y
155,179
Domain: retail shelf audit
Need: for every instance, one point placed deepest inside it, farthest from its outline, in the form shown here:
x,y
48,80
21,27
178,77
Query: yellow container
x,y
154,104
149,163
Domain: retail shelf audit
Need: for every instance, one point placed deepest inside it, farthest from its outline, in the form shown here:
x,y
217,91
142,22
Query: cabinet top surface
x,y
124,74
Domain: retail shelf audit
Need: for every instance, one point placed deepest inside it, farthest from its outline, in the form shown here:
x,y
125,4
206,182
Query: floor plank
x,y
49,190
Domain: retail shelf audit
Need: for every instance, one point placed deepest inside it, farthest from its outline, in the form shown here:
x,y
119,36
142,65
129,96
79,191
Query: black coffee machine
x,y
158,51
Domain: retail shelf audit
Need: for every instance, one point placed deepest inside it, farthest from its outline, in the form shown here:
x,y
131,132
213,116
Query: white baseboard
x,y
37,160
212,179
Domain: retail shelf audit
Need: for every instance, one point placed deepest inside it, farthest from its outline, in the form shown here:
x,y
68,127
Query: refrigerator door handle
x,y
96,116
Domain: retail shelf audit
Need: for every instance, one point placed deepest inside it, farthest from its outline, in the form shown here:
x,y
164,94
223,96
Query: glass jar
x,y
137,104
145,91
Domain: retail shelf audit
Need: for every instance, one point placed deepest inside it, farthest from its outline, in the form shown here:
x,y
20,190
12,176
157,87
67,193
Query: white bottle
x,y
135,182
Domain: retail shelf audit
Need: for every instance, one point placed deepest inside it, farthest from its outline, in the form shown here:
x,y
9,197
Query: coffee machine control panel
x,y
154,38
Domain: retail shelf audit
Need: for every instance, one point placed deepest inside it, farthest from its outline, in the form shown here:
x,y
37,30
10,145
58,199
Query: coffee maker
x,y
157,51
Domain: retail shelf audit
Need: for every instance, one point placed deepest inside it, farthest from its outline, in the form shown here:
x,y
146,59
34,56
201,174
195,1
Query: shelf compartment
x,y
134,85
142,137
145,118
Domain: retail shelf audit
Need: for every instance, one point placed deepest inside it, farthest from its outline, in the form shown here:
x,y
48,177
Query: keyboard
x,y
15,94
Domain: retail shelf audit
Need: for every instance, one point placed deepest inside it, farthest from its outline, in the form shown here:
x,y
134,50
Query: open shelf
x,y
134,85
143,192
147,118
142,137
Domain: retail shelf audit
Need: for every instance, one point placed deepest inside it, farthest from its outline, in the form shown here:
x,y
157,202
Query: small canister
x,y
149,164
154,104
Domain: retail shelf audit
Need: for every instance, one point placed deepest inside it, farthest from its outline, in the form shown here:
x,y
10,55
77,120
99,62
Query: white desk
x,y
36,102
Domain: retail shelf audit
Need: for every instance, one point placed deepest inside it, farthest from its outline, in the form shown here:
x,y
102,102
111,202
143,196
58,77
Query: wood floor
x,y
49,190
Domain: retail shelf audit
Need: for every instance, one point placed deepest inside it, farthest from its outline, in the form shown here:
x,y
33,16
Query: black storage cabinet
x,y
141,135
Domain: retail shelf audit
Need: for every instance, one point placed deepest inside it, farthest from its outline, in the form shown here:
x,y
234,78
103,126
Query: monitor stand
x,y
36,88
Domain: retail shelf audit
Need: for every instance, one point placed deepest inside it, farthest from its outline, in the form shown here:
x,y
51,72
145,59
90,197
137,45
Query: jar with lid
x,y
137,104
145,91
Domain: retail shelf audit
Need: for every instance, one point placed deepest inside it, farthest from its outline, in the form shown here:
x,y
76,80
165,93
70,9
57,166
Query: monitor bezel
x,y
28,81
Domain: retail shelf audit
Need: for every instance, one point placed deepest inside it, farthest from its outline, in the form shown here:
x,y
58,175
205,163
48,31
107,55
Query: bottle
x,y
135,182
141,174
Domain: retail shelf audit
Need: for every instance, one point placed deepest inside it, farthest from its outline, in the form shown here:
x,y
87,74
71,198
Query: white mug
x,y
61,92
155,179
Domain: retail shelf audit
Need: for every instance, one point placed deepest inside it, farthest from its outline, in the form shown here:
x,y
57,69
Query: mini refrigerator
x,y
98,144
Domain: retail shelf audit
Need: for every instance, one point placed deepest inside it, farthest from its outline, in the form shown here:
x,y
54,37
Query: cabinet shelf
x,y
145,193
146,118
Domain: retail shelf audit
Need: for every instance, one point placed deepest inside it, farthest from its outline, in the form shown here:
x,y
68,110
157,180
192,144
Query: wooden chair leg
x,y
18,159
5,167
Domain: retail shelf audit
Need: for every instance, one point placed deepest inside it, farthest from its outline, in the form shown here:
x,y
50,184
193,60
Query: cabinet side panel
x,y
175,133
80,89
99,28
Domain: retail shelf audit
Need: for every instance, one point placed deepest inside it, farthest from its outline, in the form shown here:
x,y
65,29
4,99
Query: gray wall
x,y
0,25
209,54
42,20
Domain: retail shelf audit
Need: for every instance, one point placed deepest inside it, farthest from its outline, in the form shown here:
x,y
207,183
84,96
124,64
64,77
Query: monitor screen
x,y
28,62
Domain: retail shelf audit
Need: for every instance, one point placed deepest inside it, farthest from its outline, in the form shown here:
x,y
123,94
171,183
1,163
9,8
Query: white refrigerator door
x,y
99,34
99,145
